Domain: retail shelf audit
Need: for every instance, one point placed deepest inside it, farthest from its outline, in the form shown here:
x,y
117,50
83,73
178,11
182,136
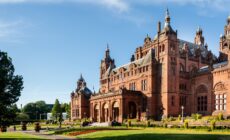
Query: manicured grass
x,y
17,136
157,134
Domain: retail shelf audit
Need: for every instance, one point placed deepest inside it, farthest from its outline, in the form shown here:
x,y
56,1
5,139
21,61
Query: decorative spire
x,y
167,18
228,20
199,30
107,47
81,78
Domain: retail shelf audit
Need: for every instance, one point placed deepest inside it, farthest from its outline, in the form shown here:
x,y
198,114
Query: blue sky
x,y
52,42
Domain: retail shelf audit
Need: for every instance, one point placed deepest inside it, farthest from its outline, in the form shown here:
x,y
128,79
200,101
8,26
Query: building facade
x,y
163,74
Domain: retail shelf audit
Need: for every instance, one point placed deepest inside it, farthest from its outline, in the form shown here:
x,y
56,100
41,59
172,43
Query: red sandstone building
x,y
163,75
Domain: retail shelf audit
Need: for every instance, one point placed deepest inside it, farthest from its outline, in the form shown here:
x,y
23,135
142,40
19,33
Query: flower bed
x,y
82,132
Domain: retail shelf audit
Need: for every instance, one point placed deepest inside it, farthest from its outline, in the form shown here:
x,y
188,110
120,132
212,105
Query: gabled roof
x,y
139,62
192,47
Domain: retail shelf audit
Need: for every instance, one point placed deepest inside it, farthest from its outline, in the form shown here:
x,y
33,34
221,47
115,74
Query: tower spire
x,y
167,18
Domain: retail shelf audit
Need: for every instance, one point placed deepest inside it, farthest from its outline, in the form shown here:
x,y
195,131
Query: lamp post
x,y
182,114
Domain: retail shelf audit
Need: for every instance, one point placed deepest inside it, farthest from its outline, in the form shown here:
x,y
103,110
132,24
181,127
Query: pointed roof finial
x,y
81,78
107,48
167,18
167,13
199,29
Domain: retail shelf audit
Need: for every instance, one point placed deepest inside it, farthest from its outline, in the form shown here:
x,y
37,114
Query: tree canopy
x,y
10,89
36,110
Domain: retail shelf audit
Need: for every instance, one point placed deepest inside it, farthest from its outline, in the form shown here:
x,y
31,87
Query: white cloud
x,y
118,5
221,5
10,31
124,5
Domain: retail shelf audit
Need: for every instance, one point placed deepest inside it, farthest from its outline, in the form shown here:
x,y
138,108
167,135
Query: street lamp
x,y
182,115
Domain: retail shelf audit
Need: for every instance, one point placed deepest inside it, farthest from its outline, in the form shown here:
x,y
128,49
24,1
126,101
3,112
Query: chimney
x,y
159,27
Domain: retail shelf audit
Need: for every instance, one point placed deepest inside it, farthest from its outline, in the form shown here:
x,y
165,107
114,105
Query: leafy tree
x,y
56,109
66,108
57,112
22,117
10,90
36,110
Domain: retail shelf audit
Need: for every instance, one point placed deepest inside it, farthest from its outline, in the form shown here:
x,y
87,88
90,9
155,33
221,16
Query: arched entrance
x,y
105,112
96,113
115,110
132,110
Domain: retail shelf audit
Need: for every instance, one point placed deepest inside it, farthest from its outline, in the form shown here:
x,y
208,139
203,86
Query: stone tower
x,y
167,51
225,42
199,39
107,64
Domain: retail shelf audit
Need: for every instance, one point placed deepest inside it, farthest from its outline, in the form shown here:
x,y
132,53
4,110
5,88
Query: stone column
x,y
121,111
100,111
109,111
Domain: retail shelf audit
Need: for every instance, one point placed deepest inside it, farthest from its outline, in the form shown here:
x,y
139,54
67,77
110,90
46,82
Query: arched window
x,y
225,45
163,48
202,98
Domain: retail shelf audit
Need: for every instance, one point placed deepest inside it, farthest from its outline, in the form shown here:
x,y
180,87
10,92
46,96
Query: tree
x,y
66,108
10,90
57,112
36,110
22,117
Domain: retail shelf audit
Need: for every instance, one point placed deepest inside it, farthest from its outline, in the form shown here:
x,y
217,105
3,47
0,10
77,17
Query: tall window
x,y
202,103
143,85
77,112
221,101
132,86
172,100
183,100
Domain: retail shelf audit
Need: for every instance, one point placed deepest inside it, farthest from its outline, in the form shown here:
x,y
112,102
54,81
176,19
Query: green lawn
x,y
157,134
17,136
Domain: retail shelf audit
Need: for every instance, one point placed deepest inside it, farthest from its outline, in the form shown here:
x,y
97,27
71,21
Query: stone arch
x,y
132,110
115,110
219,86
225,45
105,112
96,112
201,89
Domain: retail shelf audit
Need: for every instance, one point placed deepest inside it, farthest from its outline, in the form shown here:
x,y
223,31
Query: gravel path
x,y
42,134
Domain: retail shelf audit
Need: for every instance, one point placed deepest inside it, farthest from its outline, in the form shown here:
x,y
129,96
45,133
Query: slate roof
x,y
139,62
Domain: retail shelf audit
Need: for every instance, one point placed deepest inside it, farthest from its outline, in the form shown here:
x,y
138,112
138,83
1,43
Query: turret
x,y
199,39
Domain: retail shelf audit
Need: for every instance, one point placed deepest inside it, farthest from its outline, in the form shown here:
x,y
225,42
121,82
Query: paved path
x,y
42,134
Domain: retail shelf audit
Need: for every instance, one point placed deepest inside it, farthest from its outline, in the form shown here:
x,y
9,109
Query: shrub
x,y
148,124
220,116
186,124
3,129
85,123
165,125
24,128
129,123
37,127
115,123
179,118
196,116
213,124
